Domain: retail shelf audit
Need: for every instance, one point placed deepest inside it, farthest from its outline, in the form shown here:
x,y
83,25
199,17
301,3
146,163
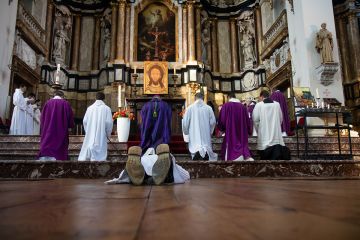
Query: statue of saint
x,y
324,44
248,48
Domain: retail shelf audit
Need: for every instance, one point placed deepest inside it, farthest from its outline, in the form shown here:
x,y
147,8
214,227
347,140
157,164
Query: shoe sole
x,y
134,167
162,165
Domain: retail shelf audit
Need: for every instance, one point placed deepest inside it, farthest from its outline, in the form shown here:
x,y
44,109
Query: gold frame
x,y
148,65
141,6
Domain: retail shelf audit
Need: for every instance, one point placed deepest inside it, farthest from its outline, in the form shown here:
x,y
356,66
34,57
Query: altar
x,y
135,105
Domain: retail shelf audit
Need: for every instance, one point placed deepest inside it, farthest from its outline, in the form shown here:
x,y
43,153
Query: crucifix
x,y
156,34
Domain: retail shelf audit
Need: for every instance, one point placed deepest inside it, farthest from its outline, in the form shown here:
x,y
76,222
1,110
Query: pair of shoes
x,y
160,169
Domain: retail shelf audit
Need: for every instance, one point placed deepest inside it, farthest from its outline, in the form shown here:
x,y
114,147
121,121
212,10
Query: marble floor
x,y
242,208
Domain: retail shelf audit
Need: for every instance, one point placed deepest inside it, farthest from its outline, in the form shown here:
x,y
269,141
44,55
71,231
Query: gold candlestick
x,y
134,88
175,77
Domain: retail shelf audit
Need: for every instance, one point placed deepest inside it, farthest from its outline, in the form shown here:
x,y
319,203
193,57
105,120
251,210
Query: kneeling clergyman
x,y
98,125
154,166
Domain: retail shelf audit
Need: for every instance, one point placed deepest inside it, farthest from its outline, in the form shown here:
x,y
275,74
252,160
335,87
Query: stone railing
x,y
31,23
279,25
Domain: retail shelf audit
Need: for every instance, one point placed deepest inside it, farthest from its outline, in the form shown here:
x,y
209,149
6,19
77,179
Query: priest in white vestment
x,y
19,114
98,124
267,118
29,116
37,116
199,123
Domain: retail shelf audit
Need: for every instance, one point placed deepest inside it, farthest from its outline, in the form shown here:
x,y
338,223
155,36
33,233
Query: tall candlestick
x,y
119,95
317,93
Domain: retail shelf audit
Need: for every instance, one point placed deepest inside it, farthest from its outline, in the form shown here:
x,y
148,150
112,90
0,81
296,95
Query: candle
x,y
58,67
312,105
174,70
57,78
289,93
317,93
125,104
134,69
322,104
119,95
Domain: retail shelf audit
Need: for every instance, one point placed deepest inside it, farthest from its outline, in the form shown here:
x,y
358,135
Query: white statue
x,y
248,48
324,44
62,34
106,33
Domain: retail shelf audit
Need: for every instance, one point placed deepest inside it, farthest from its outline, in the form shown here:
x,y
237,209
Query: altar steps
x,y
27,148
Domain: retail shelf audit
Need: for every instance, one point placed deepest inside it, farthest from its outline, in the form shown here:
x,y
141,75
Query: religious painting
x,y
156,77
156,40
303,96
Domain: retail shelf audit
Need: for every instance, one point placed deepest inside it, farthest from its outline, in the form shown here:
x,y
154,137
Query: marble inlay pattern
x,y
197,169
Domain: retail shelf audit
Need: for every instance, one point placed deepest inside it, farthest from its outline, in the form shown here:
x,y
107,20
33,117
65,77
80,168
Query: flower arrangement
x,y
124,113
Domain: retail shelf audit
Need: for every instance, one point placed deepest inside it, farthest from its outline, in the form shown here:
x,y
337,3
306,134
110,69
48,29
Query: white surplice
x,y
199,123
18,120
37,115
98,124
267,118
29,116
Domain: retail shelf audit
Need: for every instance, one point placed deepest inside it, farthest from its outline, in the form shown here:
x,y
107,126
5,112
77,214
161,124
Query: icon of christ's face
x,y
155,76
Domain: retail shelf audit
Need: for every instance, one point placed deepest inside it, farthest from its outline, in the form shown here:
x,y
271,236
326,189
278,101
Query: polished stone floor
x,y
242,208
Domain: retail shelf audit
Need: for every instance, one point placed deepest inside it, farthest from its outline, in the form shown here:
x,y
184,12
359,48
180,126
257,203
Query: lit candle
x,y
317,93
289,93
134,69
119,95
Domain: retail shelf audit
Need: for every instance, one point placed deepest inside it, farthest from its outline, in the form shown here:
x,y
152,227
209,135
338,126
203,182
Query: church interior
x,y
131,50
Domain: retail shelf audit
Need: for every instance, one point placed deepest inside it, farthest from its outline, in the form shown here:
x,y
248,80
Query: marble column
x,y
341,27
120,39
184,35
191,30
127,33
354,45
198,32
96,46
49,20
259,33
113,31
214,46
234,47
76,43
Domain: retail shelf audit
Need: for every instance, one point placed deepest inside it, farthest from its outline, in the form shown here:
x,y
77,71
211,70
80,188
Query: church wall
x,y
7,36
224,46
303,26
86,43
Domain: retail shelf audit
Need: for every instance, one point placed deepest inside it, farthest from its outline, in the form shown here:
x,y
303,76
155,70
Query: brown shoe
x,y
162,165
134,167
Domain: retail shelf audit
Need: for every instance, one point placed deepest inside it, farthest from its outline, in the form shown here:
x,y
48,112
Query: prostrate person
x,y
156,123
56,119
18,120
154,167
280,98
98,124
199,123
235,122
37,115
267,118
29,116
